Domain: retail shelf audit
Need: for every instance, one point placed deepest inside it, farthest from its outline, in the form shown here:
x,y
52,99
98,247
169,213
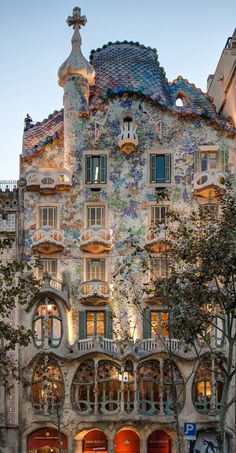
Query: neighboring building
x,y
222,85
88,175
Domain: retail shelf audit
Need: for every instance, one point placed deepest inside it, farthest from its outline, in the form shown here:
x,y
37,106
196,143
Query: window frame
x,y
95,205
95,313
95,257
45,327
94,154
39,206
166,182
209,149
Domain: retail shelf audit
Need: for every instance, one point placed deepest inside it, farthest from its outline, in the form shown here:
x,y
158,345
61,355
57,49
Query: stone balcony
x,y
48,240
96,239
49,181
156,239
209,184
95,292
128,140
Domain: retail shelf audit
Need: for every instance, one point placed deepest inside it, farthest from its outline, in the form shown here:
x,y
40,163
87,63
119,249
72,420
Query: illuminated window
x,y
109,387
208,387
95,216
95,325
160,169
96,169
47,324
47,387
48,216
159,323
95,269
83,388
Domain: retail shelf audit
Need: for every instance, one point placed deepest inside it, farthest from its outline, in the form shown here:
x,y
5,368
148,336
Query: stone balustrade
x,y
49,180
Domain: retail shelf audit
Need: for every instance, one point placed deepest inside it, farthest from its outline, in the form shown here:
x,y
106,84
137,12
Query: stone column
x,y
78,446
70,448
111,444
143,442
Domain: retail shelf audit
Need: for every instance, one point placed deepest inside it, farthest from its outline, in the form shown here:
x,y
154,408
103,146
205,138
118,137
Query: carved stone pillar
x,y
95,386
161,387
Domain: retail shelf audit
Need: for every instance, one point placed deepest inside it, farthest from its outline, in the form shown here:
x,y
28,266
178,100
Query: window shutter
x,y
103,169
197,162
82,325
153,168
147,324
108,324
88,170
167,167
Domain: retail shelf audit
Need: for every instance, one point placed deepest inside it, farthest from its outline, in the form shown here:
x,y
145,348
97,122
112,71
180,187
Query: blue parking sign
x,y
190,431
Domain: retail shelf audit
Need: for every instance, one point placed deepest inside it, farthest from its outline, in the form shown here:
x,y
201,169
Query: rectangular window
x,y
208,161
95,269
159,214
48,216
159,323
96,169
49,266
160,168
95,323
95,216
158,267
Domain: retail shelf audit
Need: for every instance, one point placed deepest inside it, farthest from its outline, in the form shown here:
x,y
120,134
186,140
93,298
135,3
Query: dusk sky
x,y
189,37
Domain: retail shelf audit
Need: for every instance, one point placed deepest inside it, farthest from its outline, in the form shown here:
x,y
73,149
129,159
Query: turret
x,y
76,75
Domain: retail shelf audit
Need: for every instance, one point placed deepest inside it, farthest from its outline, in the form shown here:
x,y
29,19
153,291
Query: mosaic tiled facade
x,y
90,179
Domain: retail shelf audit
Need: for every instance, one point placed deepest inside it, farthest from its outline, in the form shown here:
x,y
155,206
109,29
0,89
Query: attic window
x,y
179,102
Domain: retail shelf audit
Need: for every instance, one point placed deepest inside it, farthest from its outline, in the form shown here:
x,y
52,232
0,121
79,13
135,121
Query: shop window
x,y
208,387
47,387
95,216
48,216
160,170
95,323
96,169
47,324
109,387
95,269
83,388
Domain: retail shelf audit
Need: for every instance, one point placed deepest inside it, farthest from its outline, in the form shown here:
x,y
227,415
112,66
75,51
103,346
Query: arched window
x,y
83,388
149,387
173,395
47,324
179,102
208,387
47,387
128,386
109,387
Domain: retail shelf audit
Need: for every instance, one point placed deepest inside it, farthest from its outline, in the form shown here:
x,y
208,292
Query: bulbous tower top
x,y
76,63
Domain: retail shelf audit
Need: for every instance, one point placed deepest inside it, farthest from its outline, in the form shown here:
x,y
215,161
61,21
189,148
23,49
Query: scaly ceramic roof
x,y
130,67
194,97
40,134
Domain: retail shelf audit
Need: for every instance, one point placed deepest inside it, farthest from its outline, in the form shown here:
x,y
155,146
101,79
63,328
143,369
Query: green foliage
x,y
17,287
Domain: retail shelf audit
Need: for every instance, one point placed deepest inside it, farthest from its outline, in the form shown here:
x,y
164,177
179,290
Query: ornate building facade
x,y
89,176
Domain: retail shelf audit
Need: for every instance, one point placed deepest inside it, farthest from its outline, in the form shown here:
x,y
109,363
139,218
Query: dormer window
x,y
128,140
179,102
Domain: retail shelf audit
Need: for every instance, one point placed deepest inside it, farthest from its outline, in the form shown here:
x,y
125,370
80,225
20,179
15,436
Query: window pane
x,y
48,217
159,214
90,324
160,168
100,323
95,216
95,269
49,266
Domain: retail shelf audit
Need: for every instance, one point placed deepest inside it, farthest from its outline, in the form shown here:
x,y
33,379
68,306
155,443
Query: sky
x,y
34,40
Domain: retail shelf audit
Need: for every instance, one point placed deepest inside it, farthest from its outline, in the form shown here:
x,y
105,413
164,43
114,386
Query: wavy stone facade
x,y
97,363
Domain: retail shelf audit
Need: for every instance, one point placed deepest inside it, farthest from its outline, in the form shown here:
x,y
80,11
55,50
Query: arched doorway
x,y
46,441
94,441
159,442
127,441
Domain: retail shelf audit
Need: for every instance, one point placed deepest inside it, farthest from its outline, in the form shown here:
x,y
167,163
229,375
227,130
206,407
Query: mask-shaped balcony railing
x,y
209,184
96,292
156,239
49,181
96,239
48,240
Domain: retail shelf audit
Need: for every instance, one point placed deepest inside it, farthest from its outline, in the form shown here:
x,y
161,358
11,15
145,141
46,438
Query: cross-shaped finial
x,y
76,19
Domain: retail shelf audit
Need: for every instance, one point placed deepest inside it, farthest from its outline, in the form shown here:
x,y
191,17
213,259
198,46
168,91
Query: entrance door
x,y
127,441
159,442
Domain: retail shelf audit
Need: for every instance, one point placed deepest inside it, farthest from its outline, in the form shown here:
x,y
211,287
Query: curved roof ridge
x,y
133,43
